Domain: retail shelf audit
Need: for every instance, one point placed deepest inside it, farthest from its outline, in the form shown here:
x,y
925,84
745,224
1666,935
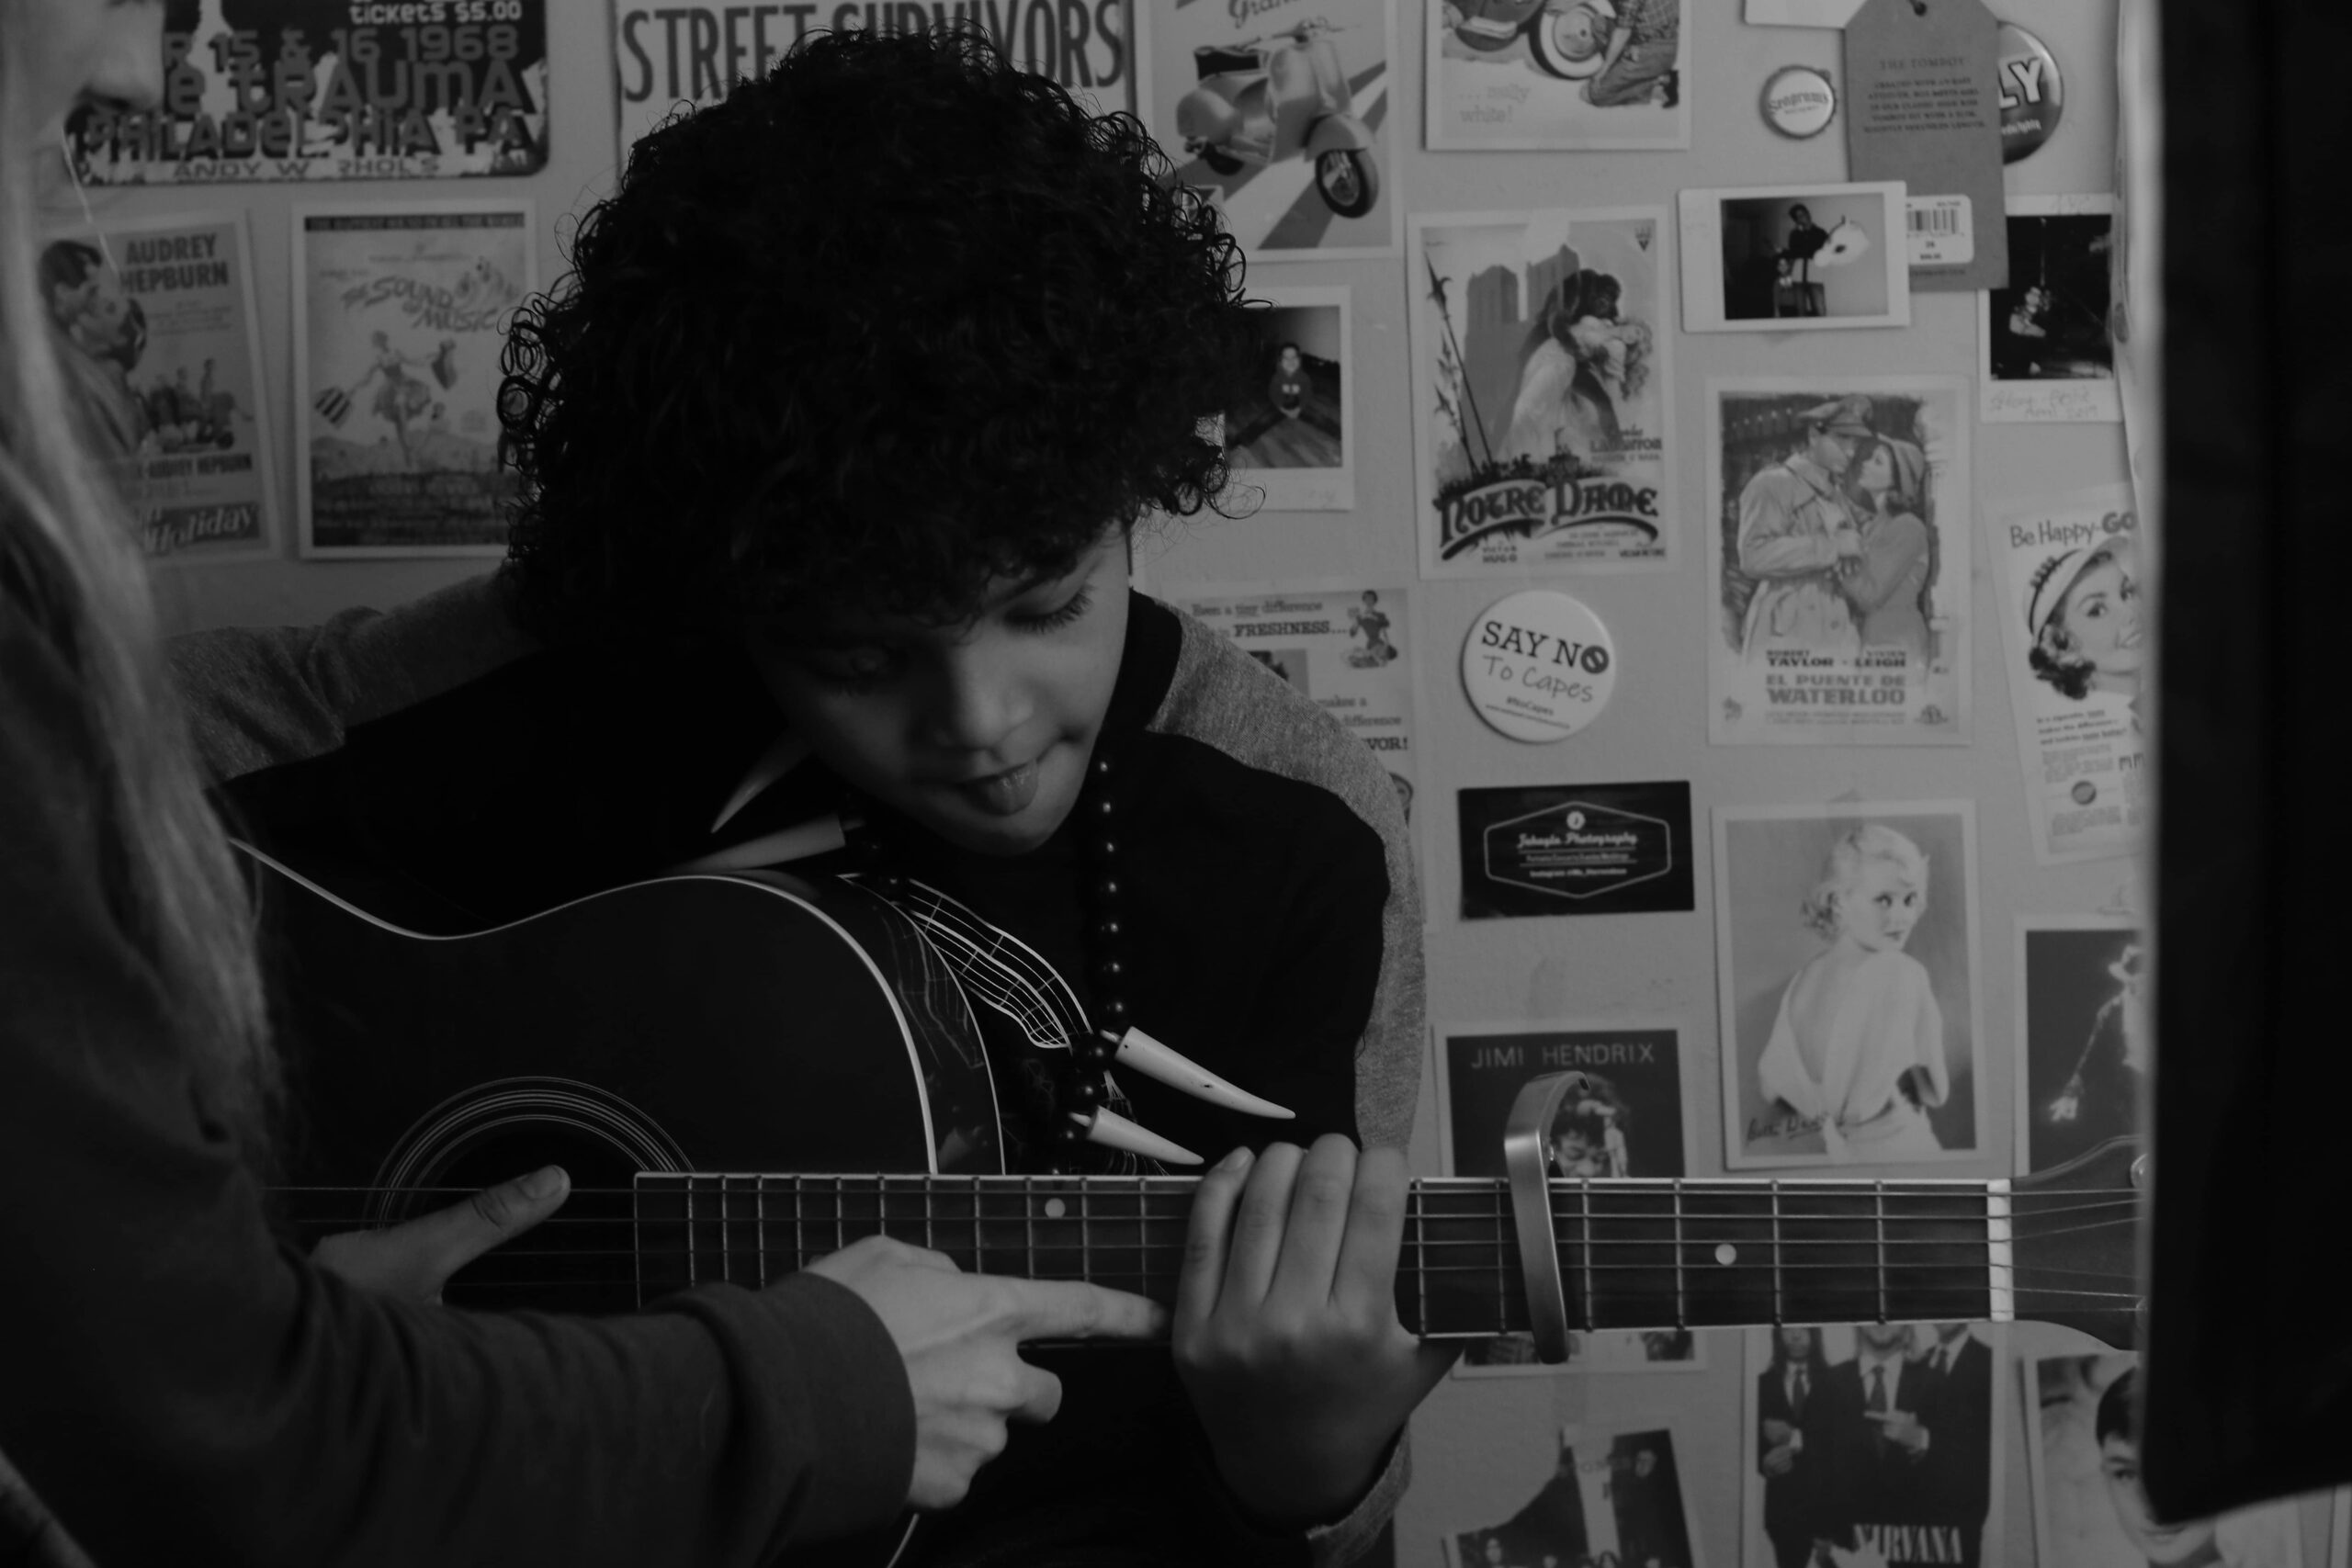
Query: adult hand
x,y
414,1260
1902,1428
960,1334
1780,1460
1286,1333
1776,1432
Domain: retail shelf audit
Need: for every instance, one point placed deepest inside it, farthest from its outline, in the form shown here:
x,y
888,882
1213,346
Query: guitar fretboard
x,y
1632,1254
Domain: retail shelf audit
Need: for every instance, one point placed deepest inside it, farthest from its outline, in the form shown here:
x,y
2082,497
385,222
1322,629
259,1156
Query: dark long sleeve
x,y
181,1388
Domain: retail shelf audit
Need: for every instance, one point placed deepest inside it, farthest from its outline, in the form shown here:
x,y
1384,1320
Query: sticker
x,y
2033,98
1940,232
1923,108
1539,666
1799,101
1576,850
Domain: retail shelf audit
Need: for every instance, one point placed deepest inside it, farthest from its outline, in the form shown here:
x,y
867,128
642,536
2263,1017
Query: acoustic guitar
x,y
744,1072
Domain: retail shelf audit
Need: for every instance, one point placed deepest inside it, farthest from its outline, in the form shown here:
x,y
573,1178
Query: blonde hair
x,y
73,573
1852,848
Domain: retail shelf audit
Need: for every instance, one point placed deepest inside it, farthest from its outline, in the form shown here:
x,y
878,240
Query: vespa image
x,y
1568,38
1283,96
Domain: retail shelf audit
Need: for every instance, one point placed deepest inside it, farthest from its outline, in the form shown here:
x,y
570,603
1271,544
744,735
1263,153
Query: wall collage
x,y
1693,452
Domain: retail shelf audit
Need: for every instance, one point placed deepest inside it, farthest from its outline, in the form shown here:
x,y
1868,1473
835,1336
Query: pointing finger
x,y
1071,1309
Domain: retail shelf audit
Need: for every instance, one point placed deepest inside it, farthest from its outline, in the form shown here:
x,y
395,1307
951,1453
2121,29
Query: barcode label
x,y
1939,231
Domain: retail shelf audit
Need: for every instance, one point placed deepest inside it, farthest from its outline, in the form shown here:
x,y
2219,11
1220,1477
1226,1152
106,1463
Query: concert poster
x,y
278,90
155,328
2045,346
1610,1497
397,336
2089,1510
1838,562
1544,439
2084,1016
2068,575
1880,1442
1609,849
1845,935
1348,646
1238,92
669,57
1292,439
1547,82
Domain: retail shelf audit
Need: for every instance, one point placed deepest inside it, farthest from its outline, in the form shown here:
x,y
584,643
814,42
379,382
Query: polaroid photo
x,y
1611,1350
1846,936
1292,438
1612,1497
2088,1507
1795,258
1869,1436
2084,1019
2045,346
1506,74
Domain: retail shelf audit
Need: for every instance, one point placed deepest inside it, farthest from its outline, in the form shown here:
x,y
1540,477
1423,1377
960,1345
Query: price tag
x,y
1923,106
1939,231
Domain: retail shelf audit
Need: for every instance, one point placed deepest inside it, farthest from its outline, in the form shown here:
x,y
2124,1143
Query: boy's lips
x,y
1007,794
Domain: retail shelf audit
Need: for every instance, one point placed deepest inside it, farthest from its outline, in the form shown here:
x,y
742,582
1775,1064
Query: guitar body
x,y
743,1022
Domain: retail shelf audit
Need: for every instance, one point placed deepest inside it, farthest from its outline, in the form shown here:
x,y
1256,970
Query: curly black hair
x,y
893,320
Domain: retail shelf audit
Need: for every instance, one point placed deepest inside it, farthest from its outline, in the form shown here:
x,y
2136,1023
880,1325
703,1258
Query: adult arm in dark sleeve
x,y
167,1352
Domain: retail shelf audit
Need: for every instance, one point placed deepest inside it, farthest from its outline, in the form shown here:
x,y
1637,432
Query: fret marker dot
x,y
1726,1253
1055,1208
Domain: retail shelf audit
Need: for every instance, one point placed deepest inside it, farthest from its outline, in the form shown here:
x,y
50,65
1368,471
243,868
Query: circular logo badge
x,y
2033,98
2084,792
1799,101
1538,665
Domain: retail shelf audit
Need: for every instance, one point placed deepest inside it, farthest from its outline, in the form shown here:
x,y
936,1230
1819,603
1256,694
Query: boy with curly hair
x,y
831,442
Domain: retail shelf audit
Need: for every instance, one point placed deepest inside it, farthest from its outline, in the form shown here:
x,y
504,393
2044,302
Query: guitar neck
x,y
1632,1254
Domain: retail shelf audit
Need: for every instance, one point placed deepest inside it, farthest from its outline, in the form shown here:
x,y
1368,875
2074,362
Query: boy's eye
x,y
854,665
1062,615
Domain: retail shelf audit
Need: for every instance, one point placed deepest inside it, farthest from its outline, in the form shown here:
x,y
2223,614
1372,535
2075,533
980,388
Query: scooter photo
x,y
1281,95
1568,38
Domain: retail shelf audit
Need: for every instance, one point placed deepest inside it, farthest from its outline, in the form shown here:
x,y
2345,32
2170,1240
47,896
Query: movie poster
x,y
1347,645
1284,112
2068,574
402,317
332,90
1839,563
1582,75
1610,1498
1874,1438
1845,944
155,332
2089,1510
2084,1013
1292,438
669,57
1542,438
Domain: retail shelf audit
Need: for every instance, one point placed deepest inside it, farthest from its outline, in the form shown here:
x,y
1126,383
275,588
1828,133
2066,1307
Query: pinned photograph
x,y
1610,1499
1846,937
1622,1118
1874,1443
1839,563
1346,645
1543,438
400,319
1795,258
1562,75
1611,848
1612,1350
2089,1508
2084,1006
2045,344
1286,121
2068,571
156,333
1290,439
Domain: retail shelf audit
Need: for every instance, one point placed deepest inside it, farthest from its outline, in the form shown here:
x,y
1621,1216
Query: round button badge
x,y
2033,98
1799,101
1538,665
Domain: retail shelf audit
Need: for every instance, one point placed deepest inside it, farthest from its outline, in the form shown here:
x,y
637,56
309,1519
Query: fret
x,y
2000,1274
1417,1209
1878,1212
1085,1233
1681,1307
979,1264
1779,1307
930,1241
799,1225
761,1193
840,1210
726,1252
1502,1265
691,1278
1584,1207
1029,1224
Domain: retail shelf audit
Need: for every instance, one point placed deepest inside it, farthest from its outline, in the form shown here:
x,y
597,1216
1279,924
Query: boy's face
x,y
2162,1545
1290,362
980,731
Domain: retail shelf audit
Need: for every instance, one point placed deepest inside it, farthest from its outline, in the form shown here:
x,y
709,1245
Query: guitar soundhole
x,y
583,1258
